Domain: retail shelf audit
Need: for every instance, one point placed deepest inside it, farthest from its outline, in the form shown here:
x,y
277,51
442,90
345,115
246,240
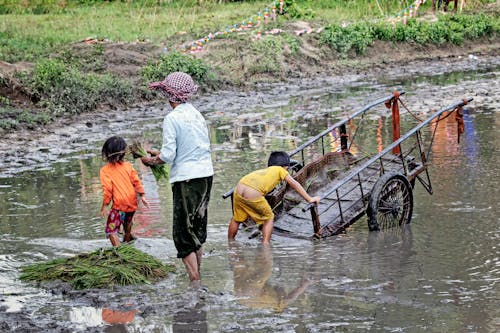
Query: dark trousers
x,y
190,200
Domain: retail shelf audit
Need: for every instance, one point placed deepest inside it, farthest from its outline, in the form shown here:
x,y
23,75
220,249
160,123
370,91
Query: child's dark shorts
x,y
115,220
190,199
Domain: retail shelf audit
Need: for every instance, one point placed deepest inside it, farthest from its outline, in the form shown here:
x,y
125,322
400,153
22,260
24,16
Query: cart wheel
x,y
391,202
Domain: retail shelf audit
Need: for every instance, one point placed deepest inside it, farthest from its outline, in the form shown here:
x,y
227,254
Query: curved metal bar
x,y
389,148
341,122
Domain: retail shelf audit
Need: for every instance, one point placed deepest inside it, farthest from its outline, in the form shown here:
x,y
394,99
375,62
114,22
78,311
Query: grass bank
x,y
63,58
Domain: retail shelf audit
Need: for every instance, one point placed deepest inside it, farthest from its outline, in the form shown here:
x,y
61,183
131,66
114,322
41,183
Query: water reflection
x,y
191,318
116,320
441,275
252,271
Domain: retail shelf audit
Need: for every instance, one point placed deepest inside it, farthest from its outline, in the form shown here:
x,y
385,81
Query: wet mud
x,y
36,150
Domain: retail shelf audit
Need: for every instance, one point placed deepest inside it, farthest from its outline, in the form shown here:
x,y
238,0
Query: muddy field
x,y
23,150
37,150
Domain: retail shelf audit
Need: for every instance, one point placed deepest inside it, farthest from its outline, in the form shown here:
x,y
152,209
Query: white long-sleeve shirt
x,y
186,144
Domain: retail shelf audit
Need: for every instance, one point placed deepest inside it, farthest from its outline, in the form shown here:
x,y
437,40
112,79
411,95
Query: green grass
x,y
29,37
31,32
70,77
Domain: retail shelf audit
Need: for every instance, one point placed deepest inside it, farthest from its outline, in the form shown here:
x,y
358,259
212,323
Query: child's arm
x,y
139,189
104,210
107,195
144,200
297,187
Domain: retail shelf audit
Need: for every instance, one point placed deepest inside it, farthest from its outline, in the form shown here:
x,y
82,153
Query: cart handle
x,y
390,147
227,194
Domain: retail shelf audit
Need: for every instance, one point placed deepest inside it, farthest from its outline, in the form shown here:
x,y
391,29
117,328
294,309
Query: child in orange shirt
x,y
249,195
121,185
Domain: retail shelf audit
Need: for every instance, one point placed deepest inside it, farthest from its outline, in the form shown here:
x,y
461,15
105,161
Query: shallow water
x,y
438,274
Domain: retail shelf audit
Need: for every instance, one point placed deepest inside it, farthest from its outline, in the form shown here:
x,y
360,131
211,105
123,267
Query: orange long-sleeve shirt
x,y
121,184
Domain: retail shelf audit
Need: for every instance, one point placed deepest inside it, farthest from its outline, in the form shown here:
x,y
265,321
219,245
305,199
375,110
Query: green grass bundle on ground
x,y
103,268
159,171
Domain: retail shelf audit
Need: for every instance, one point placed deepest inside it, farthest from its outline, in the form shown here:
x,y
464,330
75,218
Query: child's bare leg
x,y
232,230
267,231
115,241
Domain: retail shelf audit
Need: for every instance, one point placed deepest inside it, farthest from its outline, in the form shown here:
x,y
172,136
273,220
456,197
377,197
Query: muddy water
x,y
440,274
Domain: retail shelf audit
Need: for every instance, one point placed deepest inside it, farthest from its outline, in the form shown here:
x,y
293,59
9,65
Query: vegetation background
x,y
60,58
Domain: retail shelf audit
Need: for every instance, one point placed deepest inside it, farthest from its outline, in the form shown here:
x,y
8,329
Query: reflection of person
x,y
121,185
190,319
186,145
116,320
251,281
249,195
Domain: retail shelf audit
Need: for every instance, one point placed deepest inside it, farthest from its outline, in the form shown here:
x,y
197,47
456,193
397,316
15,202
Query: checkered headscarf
x,y
177,87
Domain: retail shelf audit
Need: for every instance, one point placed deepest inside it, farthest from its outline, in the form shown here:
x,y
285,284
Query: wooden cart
x,y
351,185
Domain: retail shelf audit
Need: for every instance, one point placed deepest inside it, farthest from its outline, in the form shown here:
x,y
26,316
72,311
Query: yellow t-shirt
x,y
265,180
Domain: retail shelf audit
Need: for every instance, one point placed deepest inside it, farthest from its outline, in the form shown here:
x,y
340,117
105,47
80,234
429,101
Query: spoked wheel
x,y
391,202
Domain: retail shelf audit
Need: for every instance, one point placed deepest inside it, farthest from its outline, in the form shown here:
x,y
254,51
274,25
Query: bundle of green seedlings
x,y
103,268
159,171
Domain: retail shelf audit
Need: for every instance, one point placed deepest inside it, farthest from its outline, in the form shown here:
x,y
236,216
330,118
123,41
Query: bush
x,y
63,89
449,29
296,10
266,54
176,62
356,36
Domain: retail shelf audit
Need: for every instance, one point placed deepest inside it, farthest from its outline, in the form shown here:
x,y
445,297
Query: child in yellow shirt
x,y
249,195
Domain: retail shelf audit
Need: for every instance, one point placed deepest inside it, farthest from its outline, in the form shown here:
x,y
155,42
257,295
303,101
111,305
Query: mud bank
x,y
35,150
29,149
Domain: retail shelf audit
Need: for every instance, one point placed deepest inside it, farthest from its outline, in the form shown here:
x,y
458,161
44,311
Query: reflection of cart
x,y
379,185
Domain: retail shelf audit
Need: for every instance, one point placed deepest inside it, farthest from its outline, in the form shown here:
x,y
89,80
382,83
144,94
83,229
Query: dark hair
x,y
113,149
279,158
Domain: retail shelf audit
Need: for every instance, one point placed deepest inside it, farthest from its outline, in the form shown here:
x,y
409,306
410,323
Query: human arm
x,y
104,211
139,189
300,190
144,201
169,146
106,193
153,160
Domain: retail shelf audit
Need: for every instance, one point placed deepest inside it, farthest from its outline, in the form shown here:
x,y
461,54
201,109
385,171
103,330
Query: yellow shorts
x,y
257,209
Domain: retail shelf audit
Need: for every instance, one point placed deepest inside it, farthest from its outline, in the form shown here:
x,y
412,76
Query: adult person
x,y
186,146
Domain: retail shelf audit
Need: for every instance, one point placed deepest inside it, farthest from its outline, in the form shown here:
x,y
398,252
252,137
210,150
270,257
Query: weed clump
x,y
63,89
448,29
103,268
177,62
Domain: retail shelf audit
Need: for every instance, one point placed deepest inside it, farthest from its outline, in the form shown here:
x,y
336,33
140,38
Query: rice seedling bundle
x,y
159,171
103,268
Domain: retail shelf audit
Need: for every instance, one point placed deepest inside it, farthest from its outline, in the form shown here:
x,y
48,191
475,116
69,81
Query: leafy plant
x,y
176,62
355,36
63,89
448,29
298,9
292,42
266,54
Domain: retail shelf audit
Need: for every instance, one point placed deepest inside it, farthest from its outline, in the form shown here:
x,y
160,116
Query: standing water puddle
x,y
438,274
